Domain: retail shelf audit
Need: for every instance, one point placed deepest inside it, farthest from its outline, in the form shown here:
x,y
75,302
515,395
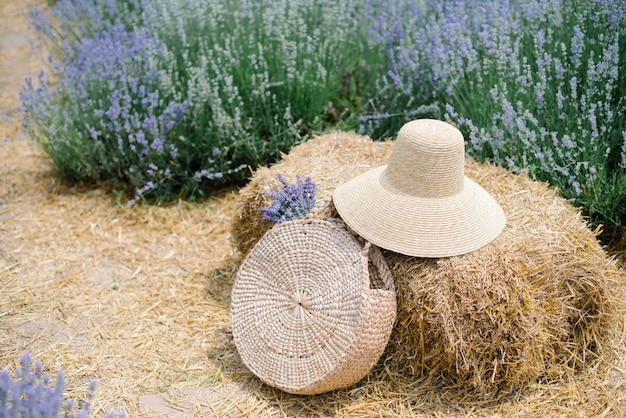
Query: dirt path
x,y
16,57
133,297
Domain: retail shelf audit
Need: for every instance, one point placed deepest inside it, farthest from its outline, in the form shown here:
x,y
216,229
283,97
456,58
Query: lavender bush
x,y
186,94
174,97
75,20
108,118
29,394
536,86
293,201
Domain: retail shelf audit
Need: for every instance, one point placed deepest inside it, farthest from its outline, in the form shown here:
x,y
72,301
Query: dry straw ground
x,y
138,298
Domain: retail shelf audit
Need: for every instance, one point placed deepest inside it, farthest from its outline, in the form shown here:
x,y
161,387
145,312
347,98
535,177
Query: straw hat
x,y
420,203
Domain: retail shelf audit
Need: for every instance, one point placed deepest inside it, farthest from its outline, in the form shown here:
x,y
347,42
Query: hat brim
x,y
414,226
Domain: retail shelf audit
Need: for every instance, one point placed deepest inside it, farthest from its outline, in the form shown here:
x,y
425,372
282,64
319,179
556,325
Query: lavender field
x,y
150,96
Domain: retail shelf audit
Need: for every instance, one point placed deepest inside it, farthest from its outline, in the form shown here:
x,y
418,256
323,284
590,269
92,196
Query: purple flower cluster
x,y
70,21
537,86
122,64
293,201
29,394
109,116
78,19
139,84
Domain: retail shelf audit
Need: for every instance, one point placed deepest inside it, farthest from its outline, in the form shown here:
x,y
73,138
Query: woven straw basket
x,y
312,309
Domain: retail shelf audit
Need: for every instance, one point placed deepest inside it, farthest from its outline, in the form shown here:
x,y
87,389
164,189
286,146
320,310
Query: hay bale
x,y
541,301
329,160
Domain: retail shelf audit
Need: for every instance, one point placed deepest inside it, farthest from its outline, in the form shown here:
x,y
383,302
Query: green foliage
x,y
188,94
537,87
172,98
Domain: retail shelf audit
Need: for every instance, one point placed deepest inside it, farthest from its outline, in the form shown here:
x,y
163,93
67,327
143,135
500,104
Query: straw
x,y
305,318
421,203
541,302
74,295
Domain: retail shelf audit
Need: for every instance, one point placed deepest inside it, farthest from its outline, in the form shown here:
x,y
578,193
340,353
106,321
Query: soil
x,y
17,59
136,298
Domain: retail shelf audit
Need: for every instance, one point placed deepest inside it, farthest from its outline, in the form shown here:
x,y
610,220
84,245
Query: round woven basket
x,y
312,308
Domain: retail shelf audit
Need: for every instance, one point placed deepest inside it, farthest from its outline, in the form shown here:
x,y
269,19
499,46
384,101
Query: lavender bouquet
x,y
293,201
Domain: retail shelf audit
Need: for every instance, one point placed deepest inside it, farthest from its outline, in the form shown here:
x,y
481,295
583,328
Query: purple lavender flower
x,y
294,201
116,116
577,47
29,394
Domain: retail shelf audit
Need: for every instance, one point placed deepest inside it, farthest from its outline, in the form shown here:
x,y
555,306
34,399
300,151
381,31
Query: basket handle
x,y
324,209
377,259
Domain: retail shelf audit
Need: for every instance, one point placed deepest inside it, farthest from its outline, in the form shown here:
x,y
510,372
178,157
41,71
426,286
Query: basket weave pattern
x,y
312,307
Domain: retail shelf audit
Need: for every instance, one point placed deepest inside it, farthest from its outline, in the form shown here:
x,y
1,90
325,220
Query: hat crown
x,y
427,160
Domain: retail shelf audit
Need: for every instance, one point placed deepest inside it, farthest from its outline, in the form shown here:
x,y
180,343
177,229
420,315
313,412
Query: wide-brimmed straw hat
x,y
421,203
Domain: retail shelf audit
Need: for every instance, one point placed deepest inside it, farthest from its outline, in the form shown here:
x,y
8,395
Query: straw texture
x,y
542,303
306,316
421,204
138,298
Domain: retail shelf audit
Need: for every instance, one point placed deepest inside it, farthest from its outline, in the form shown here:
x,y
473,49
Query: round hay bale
x,y
541,301
337,157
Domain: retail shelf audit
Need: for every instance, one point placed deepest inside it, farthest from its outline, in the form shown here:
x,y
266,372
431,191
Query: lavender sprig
x,y
29,394
293,201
